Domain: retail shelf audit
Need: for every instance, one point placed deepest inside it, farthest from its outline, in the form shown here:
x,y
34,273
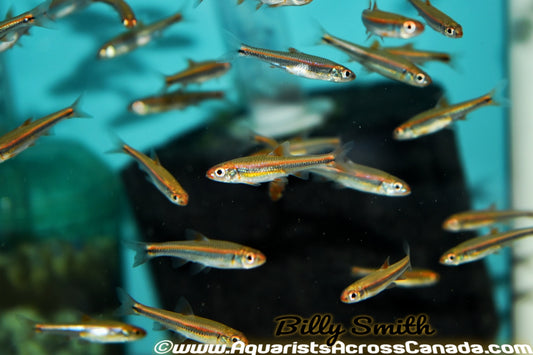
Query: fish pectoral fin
x,y
183,306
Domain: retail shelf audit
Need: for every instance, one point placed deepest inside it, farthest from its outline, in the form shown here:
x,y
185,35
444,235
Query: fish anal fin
x,y
196,268
158,327
191,234
462,118
183,306
178,262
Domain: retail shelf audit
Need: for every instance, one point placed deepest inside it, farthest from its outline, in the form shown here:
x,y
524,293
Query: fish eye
x,y
235,339
250,258
397,186
409,26
220,172
450,31
347,74
420,78
353,295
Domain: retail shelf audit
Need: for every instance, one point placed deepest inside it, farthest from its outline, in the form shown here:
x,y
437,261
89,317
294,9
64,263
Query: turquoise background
x,y
57,64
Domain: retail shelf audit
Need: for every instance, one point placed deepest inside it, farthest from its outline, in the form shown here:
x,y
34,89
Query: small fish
x,y
158,175
185,324
303,146
95,331
24,136
124,11
382,62
480,247
198,72
176,100
410,278
471,220
442,116
63,8
256,169
364,178
205,252
375,282
138,36
438,20
34,17
418,56
300,64
388,24
278,3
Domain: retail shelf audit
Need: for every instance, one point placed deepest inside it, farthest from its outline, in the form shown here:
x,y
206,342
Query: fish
x,y
93,330
438,20
198,72
382,62
204,252
176,100
34,17
410,278
157,174
16,141
14,36
480,247
300,64
408,52
138,36
471,220
185,324
256,169
442,116
375,282
63,8
278,3
363,178
124,11
303,146
388,24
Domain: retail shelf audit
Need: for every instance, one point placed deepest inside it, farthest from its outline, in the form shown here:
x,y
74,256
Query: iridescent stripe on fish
x,y
437,19
382,62
186,324
300,64
388,24
480,247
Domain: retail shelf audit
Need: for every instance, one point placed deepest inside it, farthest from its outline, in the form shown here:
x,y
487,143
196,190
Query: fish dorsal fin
x,y
191,234
443,102
375,5
27,122
183,306
375,45
294,50
492,207
494,231
86,318
155,158
428,3
385,264
9,13
191,63
408,46
281,150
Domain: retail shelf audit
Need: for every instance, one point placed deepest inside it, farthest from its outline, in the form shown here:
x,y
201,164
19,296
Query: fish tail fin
x,y
234,44
40,12
407,250
29,323
119,146
141,253
76,111
127,303
496,95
